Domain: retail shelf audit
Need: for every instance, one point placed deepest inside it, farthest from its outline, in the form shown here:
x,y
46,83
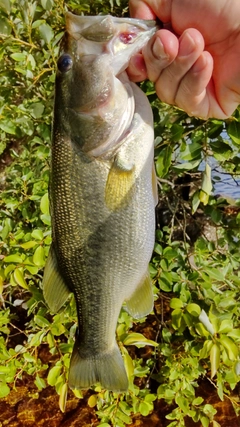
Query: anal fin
x,y
141,302
55,291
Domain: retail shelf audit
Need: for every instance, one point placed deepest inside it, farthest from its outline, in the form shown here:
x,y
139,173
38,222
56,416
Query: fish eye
x,y
127,38
65,63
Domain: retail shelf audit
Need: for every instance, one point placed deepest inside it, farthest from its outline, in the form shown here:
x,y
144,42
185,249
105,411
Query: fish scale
x,y
103,193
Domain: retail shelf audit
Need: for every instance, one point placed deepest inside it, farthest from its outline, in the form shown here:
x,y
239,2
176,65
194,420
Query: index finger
x,y
150,9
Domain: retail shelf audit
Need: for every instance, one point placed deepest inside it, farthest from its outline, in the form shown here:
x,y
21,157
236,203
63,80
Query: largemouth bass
x,y
102,193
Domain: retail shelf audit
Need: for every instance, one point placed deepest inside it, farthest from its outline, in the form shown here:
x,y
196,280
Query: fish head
x,y
95,50
116,38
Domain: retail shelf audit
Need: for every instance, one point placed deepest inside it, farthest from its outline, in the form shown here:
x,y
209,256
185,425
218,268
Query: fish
x,y
103,192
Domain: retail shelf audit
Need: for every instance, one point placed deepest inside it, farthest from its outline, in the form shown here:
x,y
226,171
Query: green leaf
x,y
193,309
233,131
187,166
205,351
234,334
13,258
46,219
47,4
40,383
170,253
183,404
37,234
18,56
78,394
28,245
237,368
176,303
192,152
150,398
41,321
36,109
128,362
53,375
176,132
38,22
44,204
19,278
5,27
145,408
214,359
207,181
214,273
5,5
39,257
63,397
221,150
8,127
177,318
205,421
195,201
4,390
165,281
135,338
198,401
225,326
36,340
92,400
46,32
230,347
203,317
163,162
1,286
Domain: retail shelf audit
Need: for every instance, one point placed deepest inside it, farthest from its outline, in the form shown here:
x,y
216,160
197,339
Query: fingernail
x,y
158,49
187,45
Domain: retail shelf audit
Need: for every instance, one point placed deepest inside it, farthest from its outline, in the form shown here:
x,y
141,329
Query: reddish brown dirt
x,y
24,407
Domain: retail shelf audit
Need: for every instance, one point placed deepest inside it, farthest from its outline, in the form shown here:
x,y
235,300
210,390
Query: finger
x,y
139,9
149,9
194,94
159,53
137,70
191,45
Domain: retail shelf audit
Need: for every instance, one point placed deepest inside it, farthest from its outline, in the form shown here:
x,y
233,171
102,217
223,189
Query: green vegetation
x,y
196,276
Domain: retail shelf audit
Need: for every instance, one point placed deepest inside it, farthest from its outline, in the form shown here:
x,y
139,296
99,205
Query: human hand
x,y
193,61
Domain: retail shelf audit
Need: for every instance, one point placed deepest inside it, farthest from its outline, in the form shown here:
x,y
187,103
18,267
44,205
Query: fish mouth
x,y
131,37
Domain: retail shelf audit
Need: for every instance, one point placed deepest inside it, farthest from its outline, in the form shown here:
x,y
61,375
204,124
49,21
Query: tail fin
x,y
106,368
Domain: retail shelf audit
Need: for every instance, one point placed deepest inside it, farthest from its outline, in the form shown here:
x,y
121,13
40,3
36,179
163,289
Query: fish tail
x,y
106,367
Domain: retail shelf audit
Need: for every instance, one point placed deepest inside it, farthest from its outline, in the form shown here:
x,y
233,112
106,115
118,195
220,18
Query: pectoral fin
x,y
55,290
120,185
141,302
